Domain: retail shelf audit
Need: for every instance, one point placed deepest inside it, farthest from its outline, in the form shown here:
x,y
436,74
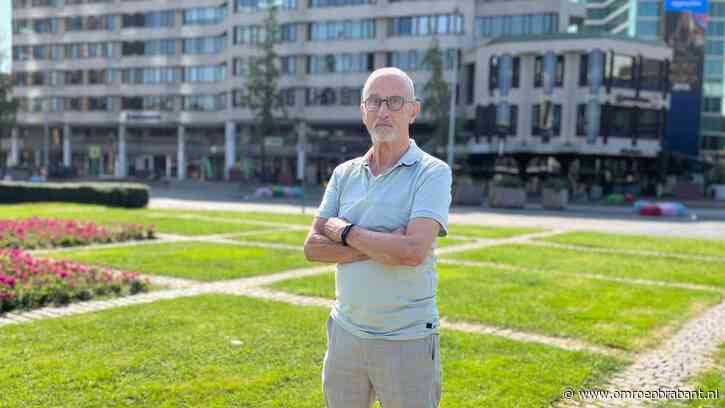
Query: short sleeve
x,y
330,205
433,197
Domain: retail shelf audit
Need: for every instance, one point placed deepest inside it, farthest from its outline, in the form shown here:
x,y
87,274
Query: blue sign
x,y
692,6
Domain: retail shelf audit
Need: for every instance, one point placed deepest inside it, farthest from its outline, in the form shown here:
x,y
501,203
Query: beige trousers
x,y
399,373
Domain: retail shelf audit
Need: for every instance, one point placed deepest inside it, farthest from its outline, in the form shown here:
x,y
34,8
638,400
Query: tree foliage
x,y
262,93
436,94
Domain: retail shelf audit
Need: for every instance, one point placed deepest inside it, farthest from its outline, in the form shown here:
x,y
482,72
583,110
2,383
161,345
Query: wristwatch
x,y
345,232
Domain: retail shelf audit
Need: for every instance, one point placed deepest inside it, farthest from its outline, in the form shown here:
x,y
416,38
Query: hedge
x,y
129,195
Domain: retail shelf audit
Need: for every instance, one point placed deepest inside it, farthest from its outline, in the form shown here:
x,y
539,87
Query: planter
x,y
507,197
718,191
595,194
555,199
468,194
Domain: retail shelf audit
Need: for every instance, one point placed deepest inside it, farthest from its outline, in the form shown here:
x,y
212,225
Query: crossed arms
x,y
405,246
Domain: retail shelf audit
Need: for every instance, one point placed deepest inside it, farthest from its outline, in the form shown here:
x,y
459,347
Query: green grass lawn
x,y
168,221
298,238
606,313
618,265
686,246
181,353
485,231
191,260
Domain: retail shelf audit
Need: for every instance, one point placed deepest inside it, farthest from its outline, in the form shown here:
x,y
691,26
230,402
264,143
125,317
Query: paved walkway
x,y
589,221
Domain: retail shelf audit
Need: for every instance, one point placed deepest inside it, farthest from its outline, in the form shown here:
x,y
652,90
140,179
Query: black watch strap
x,y
345,232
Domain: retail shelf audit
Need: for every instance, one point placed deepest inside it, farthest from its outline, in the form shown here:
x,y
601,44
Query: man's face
x,y
384,124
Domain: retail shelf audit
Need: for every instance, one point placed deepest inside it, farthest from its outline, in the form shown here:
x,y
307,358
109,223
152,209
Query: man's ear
x,y
416,110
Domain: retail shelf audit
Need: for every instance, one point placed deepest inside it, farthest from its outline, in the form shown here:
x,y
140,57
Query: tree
x,y
262,95
8,104
436,95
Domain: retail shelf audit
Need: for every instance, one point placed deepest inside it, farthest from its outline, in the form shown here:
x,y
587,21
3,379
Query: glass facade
x,y
425,25
523,24
341,30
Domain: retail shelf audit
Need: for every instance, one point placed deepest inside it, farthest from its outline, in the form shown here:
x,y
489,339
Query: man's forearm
x,y
387,248
319,248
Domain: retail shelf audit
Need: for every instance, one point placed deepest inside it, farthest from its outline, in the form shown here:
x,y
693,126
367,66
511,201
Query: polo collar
x,y
409,158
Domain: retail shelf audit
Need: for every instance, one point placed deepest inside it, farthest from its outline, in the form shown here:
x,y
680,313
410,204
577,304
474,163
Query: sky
x,y
5,33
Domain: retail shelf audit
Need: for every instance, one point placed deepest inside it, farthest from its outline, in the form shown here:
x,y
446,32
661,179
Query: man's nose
x,y
383,110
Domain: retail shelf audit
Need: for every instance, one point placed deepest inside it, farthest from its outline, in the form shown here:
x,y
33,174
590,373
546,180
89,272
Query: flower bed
x,y
29,283
33,233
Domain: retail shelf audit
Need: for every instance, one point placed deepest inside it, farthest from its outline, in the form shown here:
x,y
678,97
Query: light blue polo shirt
x,y
374,300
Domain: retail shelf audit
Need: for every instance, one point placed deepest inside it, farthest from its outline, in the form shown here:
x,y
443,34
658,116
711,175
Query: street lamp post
x,y
452,113
452,108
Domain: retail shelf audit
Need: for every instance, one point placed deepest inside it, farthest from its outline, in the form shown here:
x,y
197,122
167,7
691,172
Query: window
x,y
210,73
20,79
287,96
205,15
320,96
334,3
74,77
205,103
255,5
426,25
341,30
712,105
133,103
288,65
652,75
241,66
96,76
539,71
37,79
40,52
648,28
521,24
21,53
205,45
350,96
713,68
341,63
581,119
622,69
74,23
101,103
239,98
151,19
158,103
150,75
583,69
649,9
714,47
541,119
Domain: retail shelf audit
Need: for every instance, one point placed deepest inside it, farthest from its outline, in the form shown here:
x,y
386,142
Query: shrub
x,y
556,183
38,232
508,181
129,195
30,283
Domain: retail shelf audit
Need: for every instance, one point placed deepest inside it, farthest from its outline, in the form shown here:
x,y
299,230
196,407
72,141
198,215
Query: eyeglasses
x,y
395,103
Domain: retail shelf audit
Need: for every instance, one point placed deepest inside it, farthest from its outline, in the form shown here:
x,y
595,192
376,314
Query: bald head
x,y
392,73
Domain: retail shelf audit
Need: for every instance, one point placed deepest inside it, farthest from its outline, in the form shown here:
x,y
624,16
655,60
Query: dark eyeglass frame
x,y
387,101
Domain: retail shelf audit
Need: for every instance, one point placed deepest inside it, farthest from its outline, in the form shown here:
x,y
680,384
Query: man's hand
x,y
333,228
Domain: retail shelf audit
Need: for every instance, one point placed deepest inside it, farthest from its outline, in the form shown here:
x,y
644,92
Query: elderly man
x,y
378,220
